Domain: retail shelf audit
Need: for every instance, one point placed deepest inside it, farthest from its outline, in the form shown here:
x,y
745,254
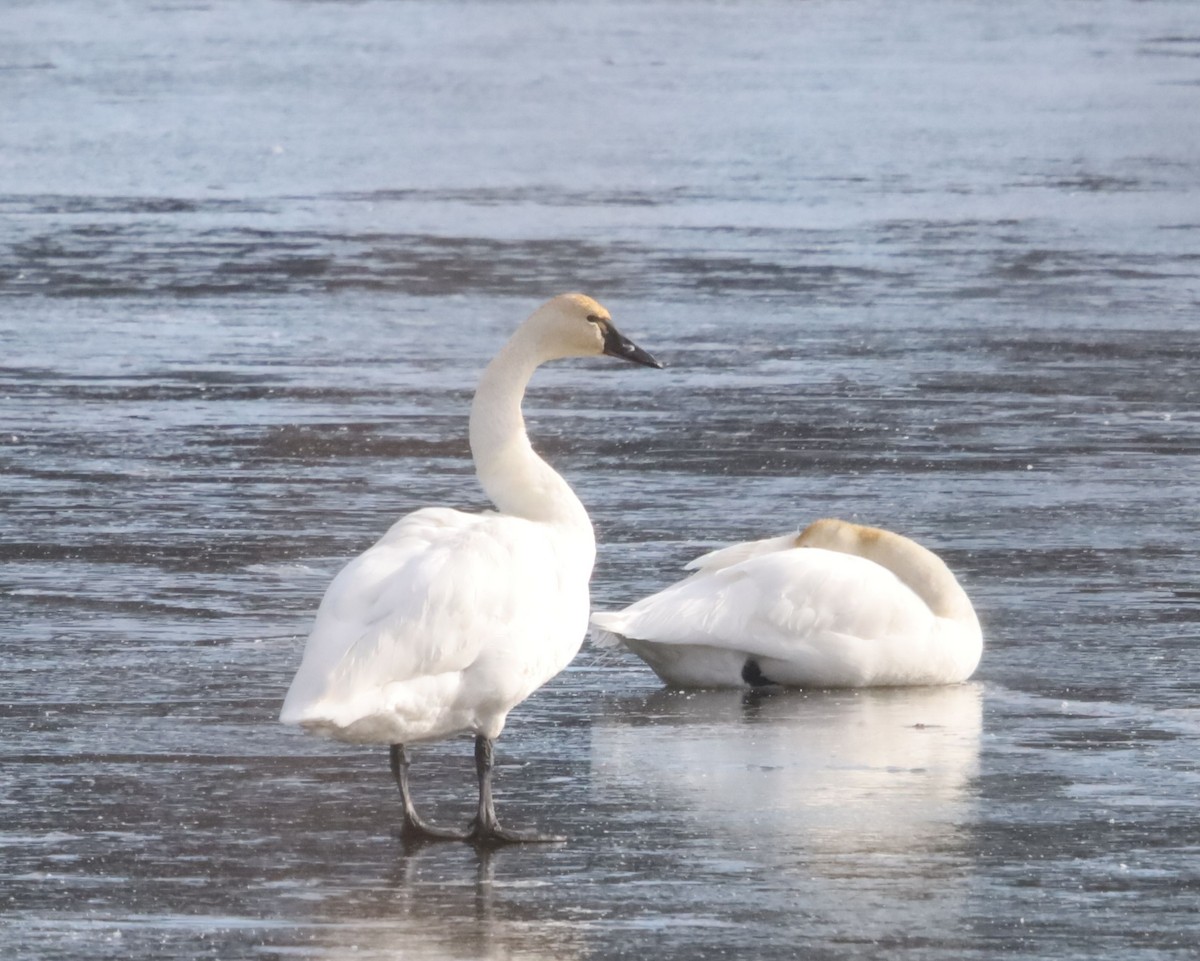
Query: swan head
x,y
886,548
575,325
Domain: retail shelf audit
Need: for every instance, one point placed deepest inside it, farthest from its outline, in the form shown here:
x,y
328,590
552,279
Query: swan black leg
x,y
485,830
413,828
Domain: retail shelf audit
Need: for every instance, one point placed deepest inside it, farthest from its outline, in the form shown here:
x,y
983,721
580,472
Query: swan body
x,y
451,619
434,630
839,605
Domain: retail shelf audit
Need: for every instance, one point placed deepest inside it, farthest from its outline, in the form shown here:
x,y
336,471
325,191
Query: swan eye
x,y
597,320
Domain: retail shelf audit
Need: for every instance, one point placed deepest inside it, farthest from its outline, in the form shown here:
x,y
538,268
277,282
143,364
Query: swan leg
x,y
413,828
485,829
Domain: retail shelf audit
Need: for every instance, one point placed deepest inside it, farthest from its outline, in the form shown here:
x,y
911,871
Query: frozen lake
x,y
933,266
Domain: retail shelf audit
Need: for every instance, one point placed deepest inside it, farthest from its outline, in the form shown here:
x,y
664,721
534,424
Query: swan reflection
x,y
437,909
821,772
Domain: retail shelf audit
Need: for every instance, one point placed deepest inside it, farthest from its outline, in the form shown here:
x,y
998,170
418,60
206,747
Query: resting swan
x,y
839,605
452,619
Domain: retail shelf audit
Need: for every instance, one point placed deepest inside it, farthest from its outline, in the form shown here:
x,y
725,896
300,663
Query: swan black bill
x,y
617,344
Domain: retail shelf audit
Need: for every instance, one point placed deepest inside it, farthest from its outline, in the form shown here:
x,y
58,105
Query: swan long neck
x,y
930,579
920,569
517,480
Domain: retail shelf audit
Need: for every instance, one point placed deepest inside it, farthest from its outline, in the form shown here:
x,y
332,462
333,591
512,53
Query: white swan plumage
x,y
839,605
452,619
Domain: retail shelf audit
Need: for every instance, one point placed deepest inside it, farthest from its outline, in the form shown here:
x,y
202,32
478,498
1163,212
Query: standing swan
x,y
452,619
840,605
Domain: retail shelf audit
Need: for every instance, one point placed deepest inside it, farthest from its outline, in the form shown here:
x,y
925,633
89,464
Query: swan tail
x,y
605,629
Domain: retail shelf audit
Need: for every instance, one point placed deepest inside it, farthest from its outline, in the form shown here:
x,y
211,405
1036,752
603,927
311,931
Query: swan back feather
x,y
736,553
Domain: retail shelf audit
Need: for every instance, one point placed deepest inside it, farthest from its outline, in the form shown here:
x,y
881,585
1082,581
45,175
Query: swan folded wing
x,y
778,605
423,601
736,553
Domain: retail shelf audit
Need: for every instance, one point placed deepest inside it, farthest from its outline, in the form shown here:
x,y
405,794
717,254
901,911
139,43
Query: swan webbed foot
x,y
492,835
753,675
415,831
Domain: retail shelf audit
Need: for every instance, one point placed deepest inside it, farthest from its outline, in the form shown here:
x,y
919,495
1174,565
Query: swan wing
x,y
736,553
439,590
